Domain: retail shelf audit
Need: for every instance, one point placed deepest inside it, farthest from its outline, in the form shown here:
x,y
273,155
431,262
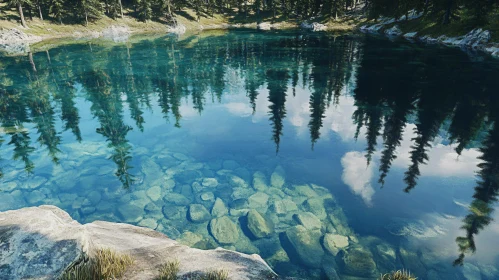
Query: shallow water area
x,y
296,146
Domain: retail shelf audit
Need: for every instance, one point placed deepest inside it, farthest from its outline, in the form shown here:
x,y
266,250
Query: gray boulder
x,y
219,209
45,246
264,26
357,262
259,226
334,243
393,31
224,230
476,38
308,220
198,213
131,213
305,244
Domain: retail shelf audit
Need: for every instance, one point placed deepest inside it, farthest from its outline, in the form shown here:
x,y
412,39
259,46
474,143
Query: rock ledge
x,y
41,242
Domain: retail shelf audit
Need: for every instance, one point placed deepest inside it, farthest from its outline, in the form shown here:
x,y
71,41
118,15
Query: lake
x,y
331,156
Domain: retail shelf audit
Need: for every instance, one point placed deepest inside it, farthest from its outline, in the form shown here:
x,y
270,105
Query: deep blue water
x,y
369,155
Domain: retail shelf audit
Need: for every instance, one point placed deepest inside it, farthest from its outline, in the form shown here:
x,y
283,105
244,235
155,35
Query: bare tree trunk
x,y
20,8
121,9
86,18
40,10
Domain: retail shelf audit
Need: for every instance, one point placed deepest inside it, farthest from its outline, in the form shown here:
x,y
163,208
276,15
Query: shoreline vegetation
x,y
429,21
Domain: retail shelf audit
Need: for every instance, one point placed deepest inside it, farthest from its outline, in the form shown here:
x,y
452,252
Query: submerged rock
x,y
316,206
305,245
219,209
198,213
224,230
283,207
154,193
334,243
357,262
210,182
412,262
260,181
258,200
45,246
207,196
237,182
308,220
177,199
278,177
130,213
259,225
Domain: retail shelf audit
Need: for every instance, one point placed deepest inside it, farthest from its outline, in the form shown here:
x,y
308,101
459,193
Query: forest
x,y
442,12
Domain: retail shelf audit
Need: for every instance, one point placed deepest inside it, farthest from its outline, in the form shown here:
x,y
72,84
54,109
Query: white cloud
x,y
443,159
357,175
239,109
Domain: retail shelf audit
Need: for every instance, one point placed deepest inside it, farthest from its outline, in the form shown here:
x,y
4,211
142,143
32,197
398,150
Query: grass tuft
x,y
107,264
215,275
169,271
398,275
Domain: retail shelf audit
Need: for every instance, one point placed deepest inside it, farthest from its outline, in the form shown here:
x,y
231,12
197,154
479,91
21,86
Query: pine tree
x,y
144,10
57,10
19,5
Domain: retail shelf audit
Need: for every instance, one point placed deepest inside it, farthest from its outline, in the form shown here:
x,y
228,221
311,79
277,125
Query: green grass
x,y
398,275
107,264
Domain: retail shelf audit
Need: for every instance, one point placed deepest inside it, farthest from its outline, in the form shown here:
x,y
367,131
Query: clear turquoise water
x,y
315,136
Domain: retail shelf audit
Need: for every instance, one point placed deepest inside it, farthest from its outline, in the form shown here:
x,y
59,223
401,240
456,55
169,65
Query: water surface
x,y
327,155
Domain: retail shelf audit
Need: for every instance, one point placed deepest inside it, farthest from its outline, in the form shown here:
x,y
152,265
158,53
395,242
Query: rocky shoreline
x,y
43,242
475,40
